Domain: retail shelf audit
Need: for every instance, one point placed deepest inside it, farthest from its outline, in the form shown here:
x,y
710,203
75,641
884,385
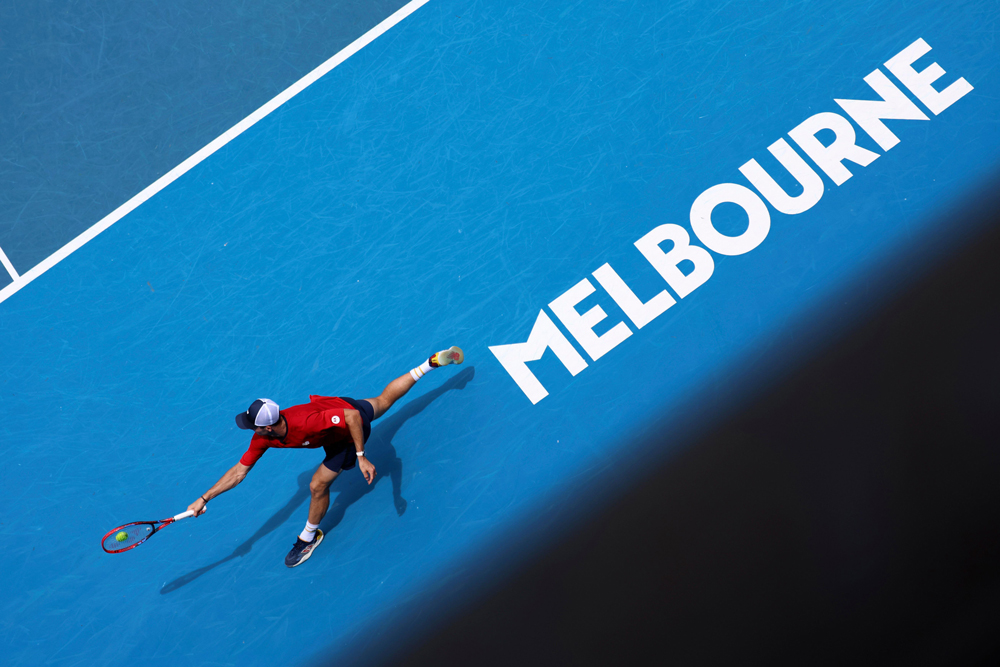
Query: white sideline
x,y
219,142
7,265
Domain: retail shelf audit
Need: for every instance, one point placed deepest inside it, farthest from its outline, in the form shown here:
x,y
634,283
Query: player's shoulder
x,y
303,415
301,409
327,402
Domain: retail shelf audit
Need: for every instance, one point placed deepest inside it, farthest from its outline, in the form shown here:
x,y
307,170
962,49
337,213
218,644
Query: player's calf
x,y
398,387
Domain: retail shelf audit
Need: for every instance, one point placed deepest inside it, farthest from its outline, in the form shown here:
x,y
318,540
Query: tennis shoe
x,y
453,355
301,552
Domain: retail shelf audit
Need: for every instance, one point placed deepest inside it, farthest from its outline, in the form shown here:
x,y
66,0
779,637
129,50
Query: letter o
x,y
745,198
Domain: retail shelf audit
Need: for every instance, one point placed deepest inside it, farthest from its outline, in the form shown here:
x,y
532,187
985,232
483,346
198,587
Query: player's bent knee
x,y
319,488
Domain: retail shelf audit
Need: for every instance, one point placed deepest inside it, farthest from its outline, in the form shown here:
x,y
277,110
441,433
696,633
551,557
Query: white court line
x,y
191,162
7,265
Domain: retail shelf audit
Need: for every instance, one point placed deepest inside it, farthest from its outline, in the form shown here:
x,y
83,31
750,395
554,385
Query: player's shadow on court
x,y
350,486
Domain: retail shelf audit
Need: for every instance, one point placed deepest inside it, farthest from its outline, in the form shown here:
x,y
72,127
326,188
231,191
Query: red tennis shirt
x,y
318,423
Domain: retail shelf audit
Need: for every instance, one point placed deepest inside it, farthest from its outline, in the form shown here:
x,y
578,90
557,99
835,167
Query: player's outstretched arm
x,y
232,477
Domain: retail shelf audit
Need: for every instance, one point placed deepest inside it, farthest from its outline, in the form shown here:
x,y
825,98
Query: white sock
x,y
309,532
421,370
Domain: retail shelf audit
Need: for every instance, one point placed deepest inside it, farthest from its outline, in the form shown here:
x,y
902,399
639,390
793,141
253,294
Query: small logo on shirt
x,y
305,444
335,419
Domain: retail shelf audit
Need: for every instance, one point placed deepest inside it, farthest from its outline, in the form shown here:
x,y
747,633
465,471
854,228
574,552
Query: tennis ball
x,y
121,536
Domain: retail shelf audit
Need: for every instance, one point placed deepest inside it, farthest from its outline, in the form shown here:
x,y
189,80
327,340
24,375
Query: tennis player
x,y
339,425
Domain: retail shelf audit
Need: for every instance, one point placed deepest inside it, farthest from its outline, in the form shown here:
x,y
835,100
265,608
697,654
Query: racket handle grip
x,y
184,515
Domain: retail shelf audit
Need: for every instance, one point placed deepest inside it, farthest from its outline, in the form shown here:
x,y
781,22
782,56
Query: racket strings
x,y
127,536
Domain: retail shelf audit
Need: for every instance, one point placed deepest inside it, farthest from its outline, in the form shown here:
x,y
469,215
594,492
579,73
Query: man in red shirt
x,y
339,425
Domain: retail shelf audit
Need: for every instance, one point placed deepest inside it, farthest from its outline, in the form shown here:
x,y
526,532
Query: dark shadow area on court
x,y
348,488
351,488
847,511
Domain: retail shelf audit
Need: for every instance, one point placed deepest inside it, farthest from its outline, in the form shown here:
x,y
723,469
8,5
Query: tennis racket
x,y
131,535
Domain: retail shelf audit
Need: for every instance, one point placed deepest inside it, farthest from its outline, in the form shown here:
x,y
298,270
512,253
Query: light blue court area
x,y
459,182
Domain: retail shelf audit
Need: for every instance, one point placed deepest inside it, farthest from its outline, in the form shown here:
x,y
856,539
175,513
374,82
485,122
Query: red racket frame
x,y
163,524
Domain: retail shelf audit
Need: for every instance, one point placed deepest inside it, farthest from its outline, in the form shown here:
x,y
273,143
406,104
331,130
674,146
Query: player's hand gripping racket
x,y
133,534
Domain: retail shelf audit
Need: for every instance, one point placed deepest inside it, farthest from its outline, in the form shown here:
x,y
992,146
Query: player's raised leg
x,y
398,387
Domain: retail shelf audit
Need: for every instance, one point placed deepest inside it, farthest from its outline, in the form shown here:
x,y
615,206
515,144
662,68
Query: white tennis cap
x,y
262,412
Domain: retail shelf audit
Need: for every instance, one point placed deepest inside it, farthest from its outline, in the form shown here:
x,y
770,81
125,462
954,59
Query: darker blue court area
x,y
457,182
100,99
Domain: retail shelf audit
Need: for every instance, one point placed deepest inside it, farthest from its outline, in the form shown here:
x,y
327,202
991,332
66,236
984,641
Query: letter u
x,y
812,184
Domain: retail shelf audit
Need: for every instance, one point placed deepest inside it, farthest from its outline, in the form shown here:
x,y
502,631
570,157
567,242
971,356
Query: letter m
x,y
544,334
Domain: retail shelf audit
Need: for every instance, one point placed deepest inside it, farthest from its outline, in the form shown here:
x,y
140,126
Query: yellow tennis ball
x,y
121,536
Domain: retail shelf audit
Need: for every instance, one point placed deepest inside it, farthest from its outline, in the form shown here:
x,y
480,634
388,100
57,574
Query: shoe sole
x,y
455,356
319,538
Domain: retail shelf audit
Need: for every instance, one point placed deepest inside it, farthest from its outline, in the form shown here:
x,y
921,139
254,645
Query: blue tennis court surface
x,y
458,181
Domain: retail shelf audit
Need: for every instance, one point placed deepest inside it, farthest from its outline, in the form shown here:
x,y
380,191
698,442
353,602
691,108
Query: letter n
x,y
544,334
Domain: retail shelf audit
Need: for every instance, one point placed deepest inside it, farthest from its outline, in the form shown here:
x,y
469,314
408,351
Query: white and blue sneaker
x,y
301,552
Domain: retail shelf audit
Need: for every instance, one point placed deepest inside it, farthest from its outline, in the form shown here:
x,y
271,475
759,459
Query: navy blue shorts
x,y
342,455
